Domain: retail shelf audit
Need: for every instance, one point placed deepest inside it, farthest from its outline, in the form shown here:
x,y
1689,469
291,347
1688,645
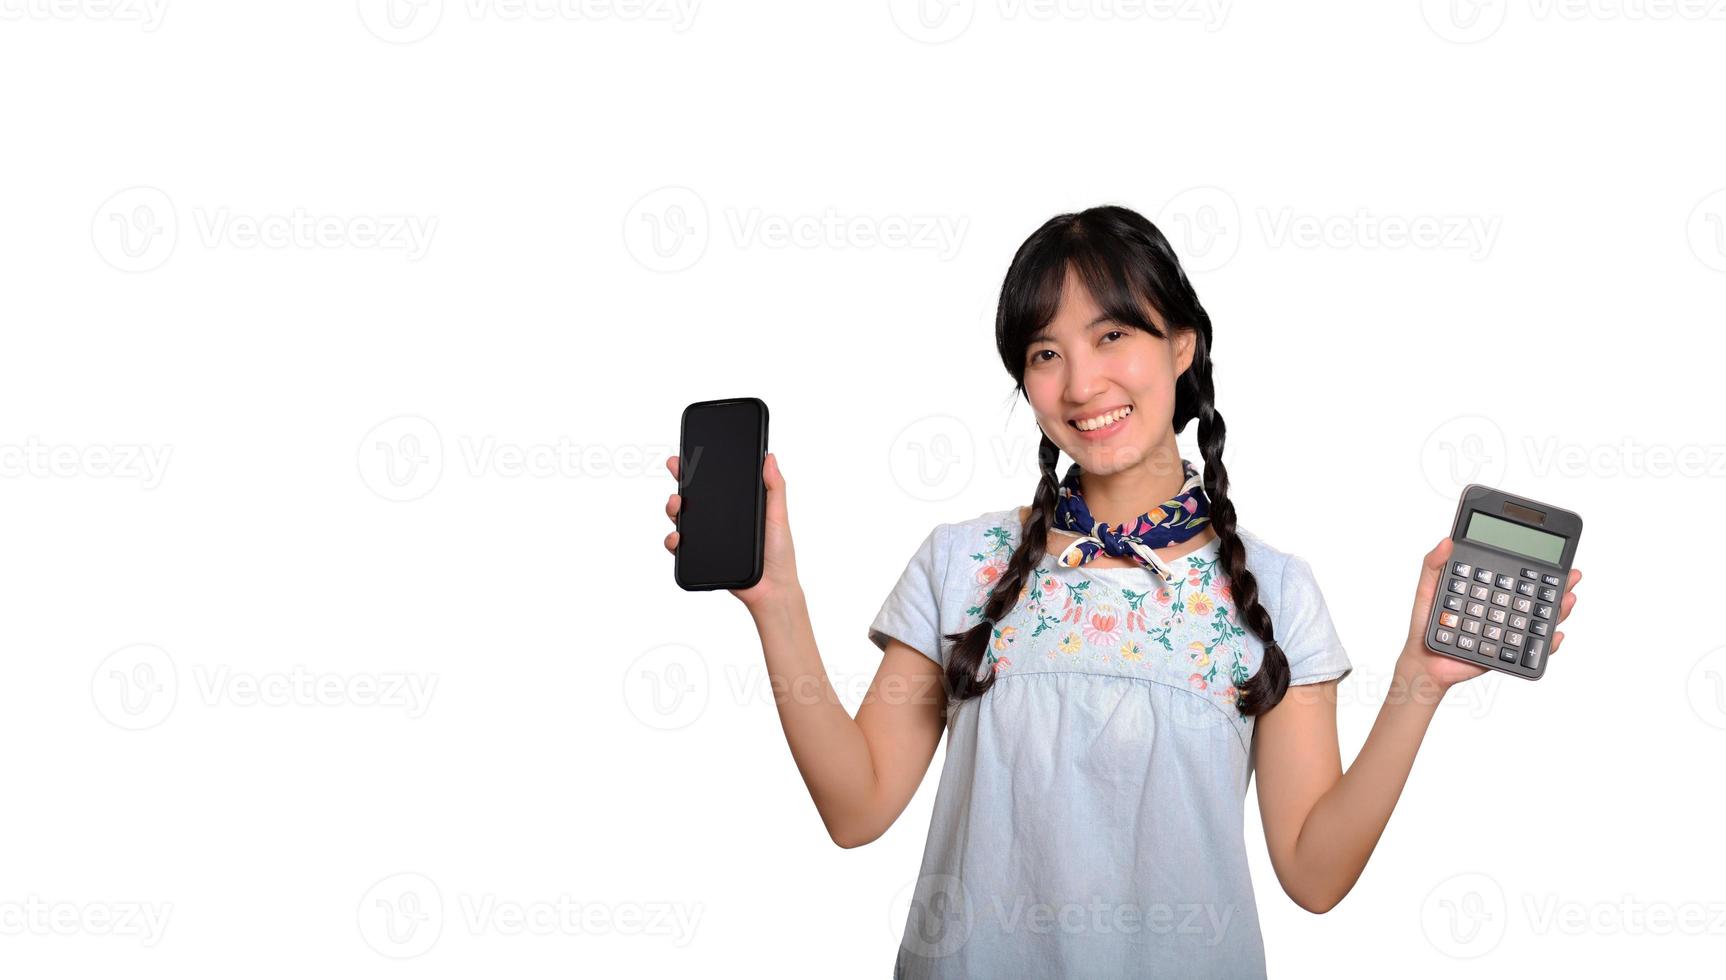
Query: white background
x,y
352,282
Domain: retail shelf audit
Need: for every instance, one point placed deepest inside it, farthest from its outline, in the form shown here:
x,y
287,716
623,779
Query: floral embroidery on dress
x,y
1093,625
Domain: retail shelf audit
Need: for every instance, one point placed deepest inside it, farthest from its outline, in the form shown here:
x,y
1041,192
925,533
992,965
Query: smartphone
x,y
722,522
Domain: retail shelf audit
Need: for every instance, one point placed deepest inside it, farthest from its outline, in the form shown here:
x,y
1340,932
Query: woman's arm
x,y
1321,824
861,772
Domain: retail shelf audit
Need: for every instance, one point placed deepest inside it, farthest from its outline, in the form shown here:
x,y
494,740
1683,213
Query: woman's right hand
x,y
779,561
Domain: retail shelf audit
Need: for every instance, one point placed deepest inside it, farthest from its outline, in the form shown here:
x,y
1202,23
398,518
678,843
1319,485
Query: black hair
x,y
1125,262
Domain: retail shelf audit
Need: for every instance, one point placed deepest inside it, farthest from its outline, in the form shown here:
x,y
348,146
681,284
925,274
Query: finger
x,y
1565,606
1575,577
673,504
1432,567
671,542
1557,638
775,481
672,465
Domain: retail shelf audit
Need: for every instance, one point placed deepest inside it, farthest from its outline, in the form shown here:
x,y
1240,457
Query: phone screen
x,y
724,444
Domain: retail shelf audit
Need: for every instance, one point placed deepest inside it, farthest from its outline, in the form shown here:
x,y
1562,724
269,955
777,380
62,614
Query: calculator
x,y
1498,603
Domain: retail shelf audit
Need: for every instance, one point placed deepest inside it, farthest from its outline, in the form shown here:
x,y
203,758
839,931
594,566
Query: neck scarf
x,y
1175,520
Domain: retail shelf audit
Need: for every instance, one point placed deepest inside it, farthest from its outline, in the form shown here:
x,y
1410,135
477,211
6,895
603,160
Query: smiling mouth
x,y
1101,421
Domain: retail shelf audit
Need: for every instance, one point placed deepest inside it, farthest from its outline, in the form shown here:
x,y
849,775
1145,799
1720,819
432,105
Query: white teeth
x,y
1102,420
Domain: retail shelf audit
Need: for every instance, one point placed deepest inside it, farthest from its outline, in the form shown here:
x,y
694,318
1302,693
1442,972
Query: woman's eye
x,y
1114,332
1035,356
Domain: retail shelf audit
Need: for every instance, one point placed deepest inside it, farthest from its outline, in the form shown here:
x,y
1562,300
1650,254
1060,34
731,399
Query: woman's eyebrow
x,y
1044,334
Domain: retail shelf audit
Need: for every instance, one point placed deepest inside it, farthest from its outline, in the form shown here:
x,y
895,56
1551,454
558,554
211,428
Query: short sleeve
x,y
911,613
1304,629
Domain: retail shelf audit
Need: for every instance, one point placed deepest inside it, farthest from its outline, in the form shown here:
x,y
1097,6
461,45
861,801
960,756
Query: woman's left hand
x,y
1436,668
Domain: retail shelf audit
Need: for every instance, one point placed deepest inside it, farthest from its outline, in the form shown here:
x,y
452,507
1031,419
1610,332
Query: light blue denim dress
x,y
1089,820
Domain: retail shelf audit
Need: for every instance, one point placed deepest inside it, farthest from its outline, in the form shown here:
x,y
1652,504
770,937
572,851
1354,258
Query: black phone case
x,y
1517,509
759,538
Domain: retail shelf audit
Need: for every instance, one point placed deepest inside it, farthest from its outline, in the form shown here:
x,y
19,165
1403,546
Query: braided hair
x,y
1125,262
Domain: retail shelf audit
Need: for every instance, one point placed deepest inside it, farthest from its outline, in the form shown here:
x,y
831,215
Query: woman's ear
x,y
1184,351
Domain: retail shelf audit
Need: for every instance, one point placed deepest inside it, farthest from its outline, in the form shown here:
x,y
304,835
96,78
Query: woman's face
x,y
1083,366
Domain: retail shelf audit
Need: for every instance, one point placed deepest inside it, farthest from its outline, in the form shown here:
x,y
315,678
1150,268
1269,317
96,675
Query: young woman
x,y
1111,664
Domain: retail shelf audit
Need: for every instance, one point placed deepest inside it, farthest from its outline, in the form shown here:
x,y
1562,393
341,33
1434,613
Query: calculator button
x,y
1525,588
1465,642
1531,656
1549,579
1479,591
1523,605
1493,632
1501,598
1505,581
1444,636
1483,575
1458,586
1513,639
1488,648
1453,602
1544,612
1529,573
1496,615
1471,626
1548,595
1508,654
1539,628
1461,568
1519,622
1448,619
1475,609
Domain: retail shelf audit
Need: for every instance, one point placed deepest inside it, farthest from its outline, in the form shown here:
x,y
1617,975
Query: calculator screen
x,y
1526,541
